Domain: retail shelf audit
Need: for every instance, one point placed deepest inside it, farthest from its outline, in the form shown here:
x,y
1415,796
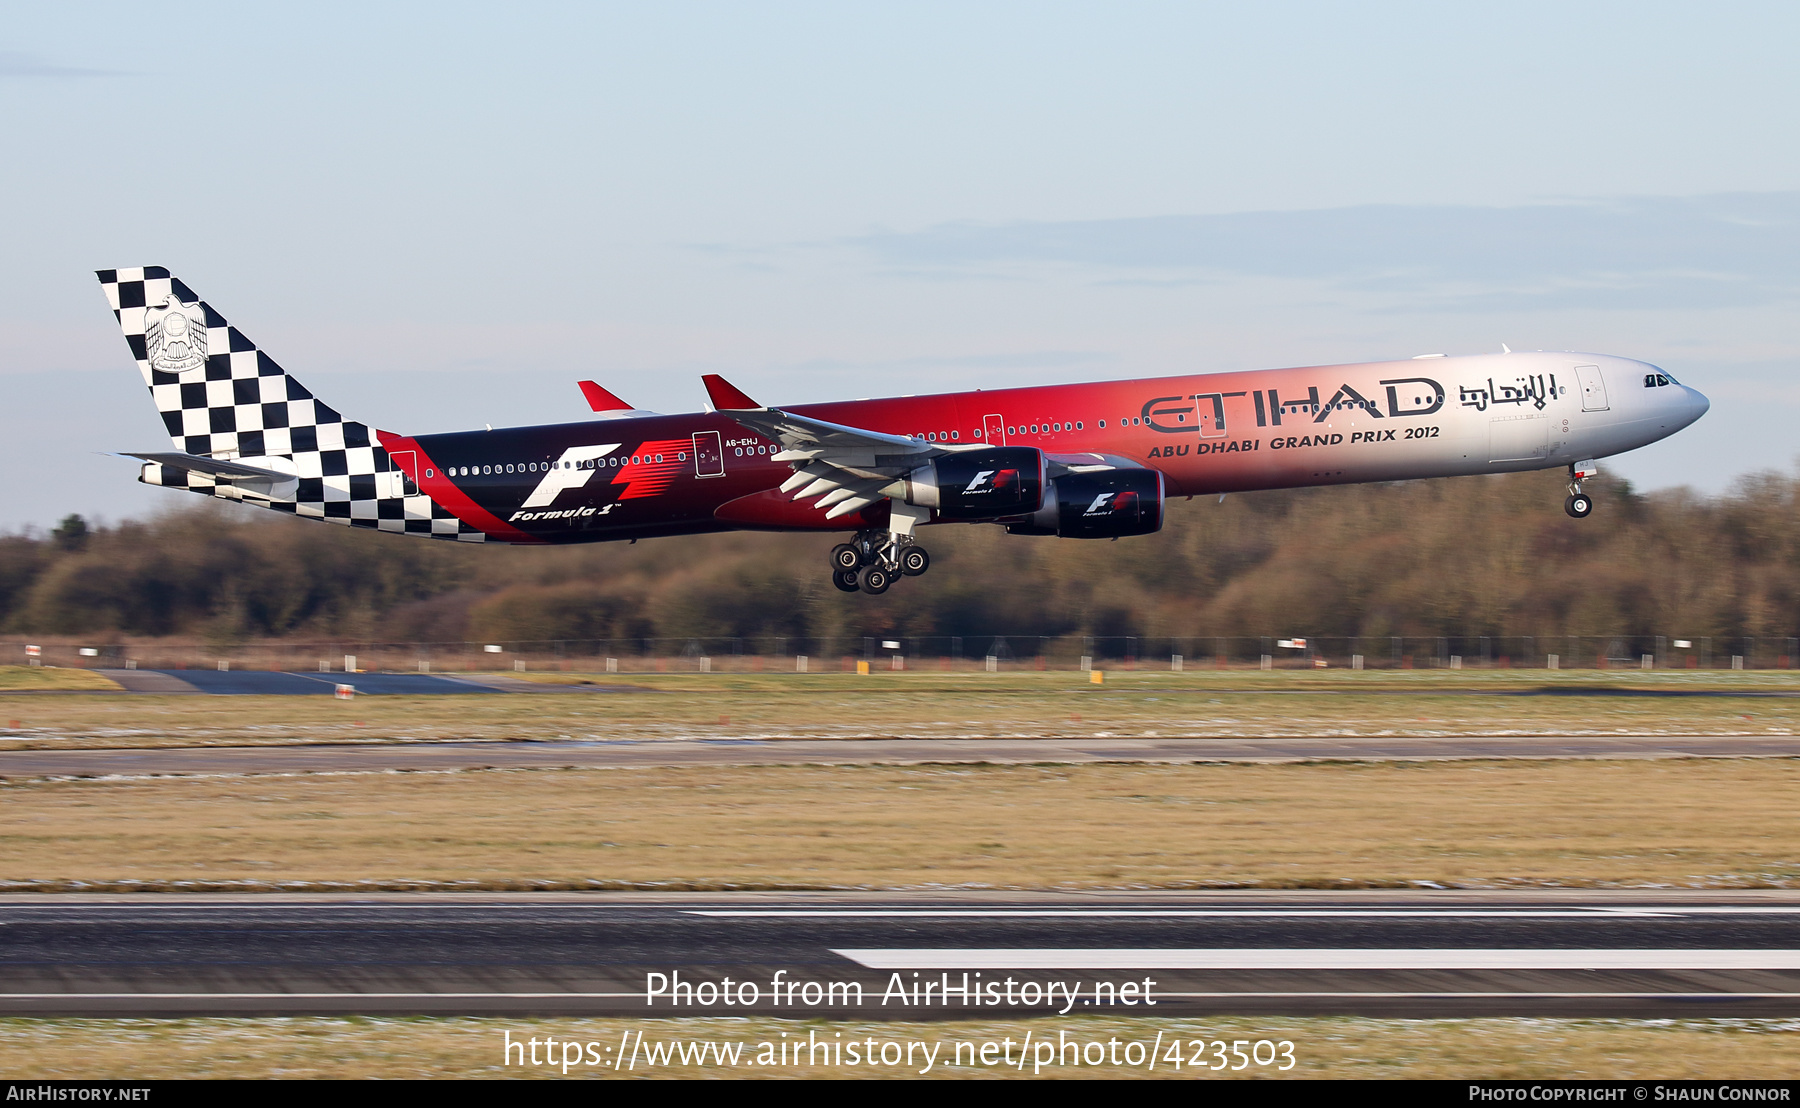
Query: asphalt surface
x,y
384,756
1414,955
251,682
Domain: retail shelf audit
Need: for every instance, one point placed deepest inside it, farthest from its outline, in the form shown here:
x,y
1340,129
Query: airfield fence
x,y
776,654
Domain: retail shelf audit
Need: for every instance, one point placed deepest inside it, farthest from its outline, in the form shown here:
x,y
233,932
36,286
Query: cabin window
x,y
1078,425
428,473
953,435
1010,431
659,457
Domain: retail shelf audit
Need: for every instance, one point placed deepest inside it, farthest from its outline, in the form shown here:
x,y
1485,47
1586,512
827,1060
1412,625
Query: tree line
x,y
1449,557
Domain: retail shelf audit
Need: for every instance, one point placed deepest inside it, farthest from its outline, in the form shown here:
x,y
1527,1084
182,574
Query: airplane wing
x,y
847,468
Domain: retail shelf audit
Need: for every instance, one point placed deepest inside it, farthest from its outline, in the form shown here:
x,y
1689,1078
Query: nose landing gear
x,y
1579,505
874,560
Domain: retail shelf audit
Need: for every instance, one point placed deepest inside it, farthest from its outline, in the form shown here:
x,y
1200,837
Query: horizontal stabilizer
x,y
212,467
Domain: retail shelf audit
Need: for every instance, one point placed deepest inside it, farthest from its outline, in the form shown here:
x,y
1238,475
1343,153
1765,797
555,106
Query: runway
x,y
252,682
380,757
901,956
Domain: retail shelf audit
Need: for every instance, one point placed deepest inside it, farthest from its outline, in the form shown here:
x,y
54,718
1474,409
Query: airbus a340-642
x,y
1087,461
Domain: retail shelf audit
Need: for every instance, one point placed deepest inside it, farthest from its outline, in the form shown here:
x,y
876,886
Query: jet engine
x,y
980,484
1104,505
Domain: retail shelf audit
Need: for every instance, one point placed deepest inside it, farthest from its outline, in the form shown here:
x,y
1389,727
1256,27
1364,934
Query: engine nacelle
x,y
980,484
1104,505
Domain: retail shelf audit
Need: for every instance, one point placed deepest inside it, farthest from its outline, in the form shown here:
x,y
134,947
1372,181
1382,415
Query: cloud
x,y
17,63
1728,250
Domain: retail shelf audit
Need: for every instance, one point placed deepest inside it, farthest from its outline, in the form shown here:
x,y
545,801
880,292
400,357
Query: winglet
x,y
725,396
602,401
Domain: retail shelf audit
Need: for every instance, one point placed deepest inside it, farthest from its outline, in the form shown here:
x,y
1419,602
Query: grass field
x,y
1708,823
46,678
939,705
1322,1047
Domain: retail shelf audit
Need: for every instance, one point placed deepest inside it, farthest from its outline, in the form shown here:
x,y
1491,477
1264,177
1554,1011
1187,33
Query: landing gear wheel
x,y
876,579
845,556
1579,505
914,561
845,580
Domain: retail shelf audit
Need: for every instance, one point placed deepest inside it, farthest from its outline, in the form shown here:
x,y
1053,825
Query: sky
x,y
443,216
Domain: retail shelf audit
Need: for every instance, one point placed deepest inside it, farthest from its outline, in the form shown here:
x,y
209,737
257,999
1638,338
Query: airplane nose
x,y
1697,403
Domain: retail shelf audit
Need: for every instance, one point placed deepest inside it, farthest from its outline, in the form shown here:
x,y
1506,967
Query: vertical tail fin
x,y
220,397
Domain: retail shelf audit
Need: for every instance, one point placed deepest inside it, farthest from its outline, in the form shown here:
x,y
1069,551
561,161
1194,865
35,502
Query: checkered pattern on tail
x,y
221,397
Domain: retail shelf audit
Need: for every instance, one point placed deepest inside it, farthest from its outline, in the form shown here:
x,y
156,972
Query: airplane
x,y
1094,461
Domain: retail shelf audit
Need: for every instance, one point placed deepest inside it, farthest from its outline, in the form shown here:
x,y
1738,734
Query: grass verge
x,y
1707,823
938,705
28,678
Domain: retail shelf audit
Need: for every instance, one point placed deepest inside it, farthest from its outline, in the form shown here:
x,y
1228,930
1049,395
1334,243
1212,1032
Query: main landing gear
x,y
1579,504
874,560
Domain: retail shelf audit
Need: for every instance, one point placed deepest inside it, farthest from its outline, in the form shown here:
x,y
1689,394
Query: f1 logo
x,y
1099,503
980,478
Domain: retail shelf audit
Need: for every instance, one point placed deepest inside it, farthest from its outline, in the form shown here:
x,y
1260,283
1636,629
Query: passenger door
x,y
1593,389
993,430
709,454
404,478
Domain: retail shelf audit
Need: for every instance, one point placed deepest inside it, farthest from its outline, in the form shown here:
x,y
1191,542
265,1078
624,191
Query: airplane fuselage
x,y
1205,433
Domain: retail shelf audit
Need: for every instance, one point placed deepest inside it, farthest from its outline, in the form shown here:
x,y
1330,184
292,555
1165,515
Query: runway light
x,y
1683,644
492,648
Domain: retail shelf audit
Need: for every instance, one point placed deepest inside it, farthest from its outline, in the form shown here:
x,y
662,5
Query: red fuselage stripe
x,y
433,483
